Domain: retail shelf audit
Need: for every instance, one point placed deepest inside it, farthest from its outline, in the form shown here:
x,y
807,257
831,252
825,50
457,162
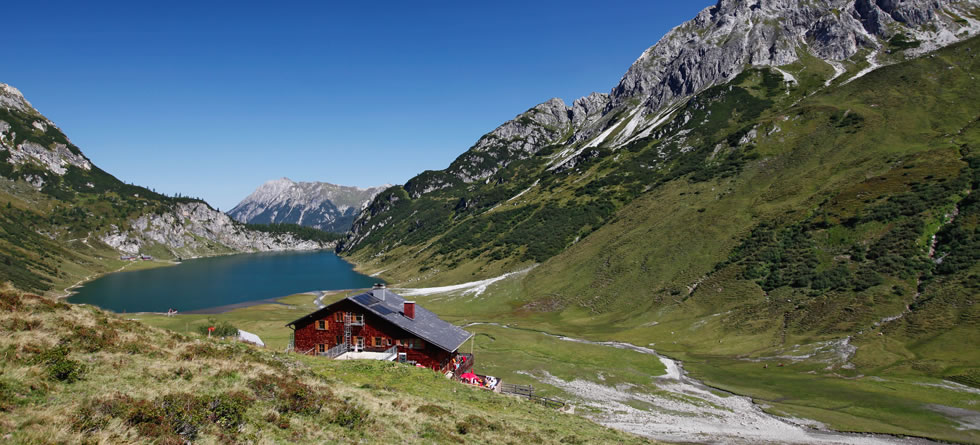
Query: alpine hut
x,y
382,325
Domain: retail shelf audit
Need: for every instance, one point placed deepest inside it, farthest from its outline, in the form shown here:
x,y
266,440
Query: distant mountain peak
x,y
321,205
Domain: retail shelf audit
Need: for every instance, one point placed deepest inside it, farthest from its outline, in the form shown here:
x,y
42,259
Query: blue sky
x,y
213,100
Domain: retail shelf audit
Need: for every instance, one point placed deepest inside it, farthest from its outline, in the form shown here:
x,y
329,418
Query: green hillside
x,y
46,235
836,226
75,374
52,223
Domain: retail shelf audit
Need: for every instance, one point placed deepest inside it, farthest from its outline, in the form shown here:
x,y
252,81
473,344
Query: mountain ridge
x,y
826,42
65,218
320,205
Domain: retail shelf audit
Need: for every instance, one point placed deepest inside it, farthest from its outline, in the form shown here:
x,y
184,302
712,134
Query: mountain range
x,y
321,205
549,162
782,180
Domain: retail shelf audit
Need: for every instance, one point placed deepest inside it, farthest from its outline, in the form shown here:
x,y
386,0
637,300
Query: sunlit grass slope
x,y
75,374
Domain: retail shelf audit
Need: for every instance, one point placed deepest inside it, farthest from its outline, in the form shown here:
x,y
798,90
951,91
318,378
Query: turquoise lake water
x,y
218,281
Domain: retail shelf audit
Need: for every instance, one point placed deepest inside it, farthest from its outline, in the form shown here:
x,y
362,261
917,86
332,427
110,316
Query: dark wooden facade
x,y
326,330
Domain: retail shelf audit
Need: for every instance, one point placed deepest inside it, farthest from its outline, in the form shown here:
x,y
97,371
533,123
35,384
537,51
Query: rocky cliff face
x,y
321,205
845,38
27,150
191,228
722,40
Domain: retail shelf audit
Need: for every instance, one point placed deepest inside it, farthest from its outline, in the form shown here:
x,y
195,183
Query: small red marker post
x,y
210,329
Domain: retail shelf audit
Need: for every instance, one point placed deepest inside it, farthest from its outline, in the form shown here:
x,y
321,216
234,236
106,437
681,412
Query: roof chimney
x,y
379,291
409,310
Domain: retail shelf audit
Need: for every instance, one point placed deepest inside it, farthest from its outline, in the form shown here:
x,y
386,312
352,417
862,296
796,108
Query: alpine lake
x,y
222,281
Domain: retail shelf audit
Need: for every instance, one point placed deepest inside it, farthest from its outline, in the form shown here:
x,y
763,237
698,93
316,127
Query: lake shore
x,y
141,265
217,284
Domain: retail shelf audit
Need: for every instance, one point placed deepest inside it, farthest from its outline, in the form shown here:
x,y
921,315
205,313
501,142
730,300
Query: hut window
x,y
388,340
323,347
338,316
338,339
378,342
321,325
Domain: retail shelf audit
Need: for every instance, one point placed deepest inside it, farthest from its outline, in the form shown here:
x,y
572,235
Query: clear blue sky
x,y
211,99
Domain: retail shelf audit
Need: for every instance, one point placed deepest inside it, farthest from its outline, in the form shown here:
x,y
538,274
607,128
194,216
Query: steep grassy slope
x,y
834,234
75,374
828,230
532,210
555,173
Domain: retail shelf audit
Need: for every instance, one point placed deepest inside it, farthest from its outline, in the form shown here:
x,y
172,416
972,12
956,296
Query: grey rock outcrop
x,y
11,98
717,44
587,110
192,229
56,159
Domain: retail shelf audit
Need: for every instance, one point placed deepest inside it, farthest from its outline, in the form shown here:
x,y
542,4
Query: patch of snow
x,y
659,120
523,192
635,119
872,65
839,70
787,77
474,287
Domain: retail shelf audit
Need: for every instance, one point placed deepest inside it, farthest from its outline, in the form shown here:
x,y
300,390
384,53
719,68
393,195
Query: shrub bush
x,y
228,410
350,415
474,424
432,410
289,394
59,366
222,329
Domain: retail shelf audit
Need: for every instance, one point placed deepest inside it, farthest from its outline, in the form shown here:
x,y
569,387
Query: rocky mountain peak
x,y
723,39
29,139
829,41
586,110
11,98
711,49
275,187
315,204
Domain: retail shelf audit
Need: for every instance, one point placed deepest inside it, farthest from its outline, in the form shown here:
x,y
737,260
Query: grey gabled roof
x,y
426,325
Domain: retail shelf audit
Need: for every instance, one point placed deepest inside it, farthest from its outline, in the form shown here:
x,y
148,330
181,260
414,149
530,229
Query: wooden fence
x,y
528,391
520,390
